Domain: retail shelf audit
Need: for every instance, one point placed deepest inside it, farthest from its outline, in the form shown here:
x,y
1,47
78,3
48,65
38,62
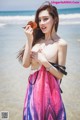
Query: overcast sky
x,y
30,4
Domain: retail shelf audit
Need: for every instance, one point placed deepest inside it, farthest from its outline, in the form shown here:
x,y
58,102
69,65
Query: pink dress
x,y
43,99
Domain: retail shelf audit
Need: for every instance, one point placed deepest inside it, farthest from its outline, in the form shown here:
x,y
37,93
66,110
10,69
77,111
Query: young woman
x,y
46,53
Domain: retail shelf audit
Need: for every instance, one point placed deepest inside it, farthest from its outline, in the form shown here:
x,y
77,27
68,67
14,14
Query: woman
x,y
46,53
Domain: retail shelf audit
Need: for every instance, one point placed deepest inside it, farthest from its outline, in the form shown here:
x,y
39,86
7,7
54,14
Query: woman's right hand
x,y
29,33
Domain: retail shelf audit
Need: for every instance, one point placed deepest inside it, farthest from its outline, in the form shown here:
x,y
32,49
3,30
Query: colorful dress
x,y
43,97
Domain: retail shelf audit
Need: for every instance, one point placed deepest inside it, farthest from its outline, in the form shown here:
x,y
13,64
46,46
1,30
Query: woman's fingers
x,y
40,50
29,32
28,28
34,54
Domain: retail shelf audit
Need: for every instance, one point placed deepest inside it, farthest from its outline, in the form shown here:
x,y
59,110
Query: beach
x,y
14,77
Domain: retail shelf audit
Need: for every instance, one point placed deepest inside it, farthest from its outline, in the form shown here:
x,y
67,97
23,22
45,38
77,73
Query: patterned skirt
x,y
43,99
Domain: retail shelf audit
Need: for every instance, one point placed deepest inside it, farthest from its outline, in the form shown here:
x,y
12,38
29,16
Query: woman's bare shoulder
x,y
62,42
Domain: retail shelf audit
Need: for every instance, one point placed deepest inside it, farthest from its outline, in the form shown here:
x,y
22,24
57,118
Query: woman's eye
x,y
45,19
39,20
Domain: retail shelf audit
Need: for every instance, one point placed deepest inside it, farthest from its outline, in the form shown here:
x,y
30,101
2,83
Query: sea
x,y
67,16
14,77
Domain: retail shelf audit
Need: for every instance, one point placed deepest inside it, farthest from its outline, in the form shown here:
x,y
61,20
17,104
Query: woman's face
x,y
45,21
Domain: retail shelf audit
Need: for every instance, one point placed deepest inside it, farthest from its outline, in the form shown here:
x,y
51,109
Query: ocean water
x,y
32,12
67,16
13,77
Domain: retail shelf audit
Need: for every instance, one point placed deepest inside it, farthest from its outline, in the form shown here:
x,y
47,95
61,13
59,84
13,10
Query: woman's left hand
x,y
39,56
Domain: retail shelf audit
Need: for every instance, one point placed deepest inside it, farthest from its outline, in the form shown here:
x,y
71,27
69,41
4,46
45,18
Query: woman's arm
x,y
62,52
26,57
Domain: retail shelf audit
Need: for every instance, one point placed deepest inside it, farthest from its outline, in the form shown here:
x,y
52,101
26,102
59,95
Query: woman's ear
x,y
55,20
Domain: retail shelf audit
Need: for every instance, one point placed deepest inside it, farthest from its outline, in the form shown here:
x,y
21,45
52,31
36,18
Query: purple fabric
x,y
43,100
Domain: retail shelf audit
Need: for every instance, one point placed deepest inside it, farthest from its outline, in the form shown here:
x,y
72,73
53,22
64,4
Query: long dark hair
x,y
37,33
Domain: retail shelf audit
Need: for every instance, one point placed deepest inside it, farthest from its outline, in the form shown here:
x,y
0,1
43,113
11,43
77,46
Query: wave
x,y
64,19
15,19
69,19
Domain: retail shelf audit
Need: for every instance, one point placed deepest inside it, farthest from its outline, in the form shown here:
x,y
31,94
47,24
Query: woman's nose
x,y
41,22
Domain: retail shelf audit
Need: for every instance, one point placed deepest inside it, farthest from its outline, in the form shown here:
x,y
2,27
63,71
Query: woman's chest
x,y
50,50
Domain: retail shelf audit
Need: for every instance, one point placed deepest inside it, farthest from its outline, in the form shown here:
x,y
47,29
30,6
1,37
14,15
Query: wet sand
x,y
13,77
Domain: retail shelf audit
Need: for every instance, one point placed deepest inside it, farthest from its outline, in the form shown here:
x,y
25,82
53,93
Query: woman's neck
x,y
49,37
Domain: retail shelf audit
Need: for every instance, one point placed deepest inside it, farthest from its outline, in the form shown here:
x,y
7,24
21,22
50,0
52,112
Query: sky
x,y
31,4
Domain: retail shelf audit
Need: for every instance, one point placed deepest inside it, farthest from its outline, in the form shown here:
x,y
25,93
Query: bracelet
x,y
48,68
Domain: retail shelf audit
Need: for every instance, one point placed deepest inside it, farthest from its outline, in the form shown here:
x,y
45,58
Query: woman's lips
x,y
43,28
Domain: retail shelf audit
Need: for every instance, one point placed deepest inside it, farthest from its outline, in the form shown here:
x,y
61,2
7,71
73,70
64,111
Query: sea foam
x,y
63,19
